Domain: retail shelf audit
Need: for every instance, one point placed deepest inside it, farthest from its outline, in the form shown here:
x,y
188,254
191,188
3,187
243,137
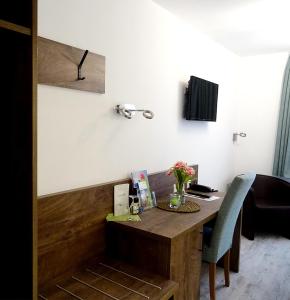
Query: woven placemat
x,y
188,207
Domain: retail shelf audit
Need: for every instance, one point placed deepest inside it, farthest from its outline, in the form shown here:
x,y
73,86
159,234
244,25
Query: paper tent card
x,y
121,199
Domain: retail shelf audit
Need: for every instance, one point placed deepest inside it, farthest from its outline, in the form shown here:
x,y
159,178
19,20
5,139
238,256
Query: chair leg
x,y
212,275
227,268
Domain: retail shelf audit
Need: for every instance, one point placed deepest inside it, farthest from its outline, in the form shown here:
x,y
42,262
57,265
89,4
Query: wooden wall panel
x,y
71,226
71,229
58,65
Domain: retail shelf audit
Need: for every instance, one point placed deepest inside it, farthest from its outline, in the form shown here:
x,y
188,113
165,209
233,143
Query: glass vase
x,y
181,193
174,200
182,197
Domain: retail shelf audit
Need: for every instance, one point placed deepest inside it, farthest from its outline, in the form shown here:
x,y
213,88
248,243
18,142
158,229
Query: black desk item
x,y
201,188
197,194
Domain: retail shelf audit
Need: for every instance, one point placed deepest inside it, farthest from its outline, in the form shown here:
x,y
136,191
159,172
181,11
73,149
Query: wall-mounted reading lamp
x,y
235,135
129,110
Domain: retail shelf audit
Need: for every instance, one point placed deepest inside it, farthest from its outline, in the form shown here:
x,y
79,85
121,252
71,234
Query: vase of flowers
x,y
183,173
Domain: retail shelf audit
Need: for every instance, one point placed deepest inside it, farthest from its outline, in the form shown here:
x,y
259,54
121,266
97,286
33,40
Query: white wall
x,y
258,95
150,55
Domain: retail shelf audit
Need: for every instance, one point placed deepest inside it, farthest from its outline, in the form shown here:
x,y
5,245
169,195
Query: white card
x,y
121,199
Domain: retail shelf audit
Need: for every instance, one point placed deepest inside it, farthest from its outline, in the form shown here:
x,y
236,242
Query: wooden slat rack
x,y
111,279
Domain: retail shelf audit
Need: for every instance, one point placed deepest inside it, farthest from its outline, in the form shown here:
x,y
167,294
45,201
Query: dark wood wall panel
x,y
71,229
71,226
17,11
17,193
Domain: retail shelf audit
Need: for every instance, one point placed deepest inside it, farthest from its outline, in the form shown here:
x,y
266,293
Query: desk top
x,y
168,225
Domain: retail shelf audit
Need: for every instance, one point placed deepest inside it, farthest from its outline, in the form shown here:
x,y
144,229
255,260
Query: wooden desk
x,y
168,243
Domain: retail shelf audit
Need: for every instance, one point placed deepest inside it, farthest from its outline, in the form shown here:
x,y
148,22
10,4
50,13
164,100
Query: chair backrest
x,y
271,190
222,235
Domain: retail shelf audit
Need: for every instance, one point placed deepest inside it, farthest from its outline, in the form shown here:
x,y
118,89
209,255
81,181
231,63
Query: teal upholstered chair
x,y
220,241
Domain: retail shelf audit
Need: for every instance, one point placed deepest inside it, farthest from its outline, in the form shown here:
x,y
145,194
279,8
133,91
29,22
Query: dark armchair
x,y
267,207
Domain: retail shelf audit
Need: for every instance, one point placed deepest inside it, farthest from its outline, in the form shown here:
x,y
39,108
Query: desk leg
x,y
185,264
178,259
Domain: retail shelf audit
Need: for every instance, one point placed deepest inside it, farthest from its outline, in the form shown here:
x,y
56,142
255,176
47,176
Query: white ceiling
x,y
246,27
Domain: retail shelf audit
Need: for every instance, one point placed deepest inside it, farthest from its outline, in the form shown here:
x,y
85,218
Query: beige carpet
x,y
264,272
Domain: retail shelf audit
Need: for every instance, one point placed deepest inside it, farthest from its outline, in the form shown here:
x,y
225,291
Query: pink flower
x,y
183,174
180,164
190,171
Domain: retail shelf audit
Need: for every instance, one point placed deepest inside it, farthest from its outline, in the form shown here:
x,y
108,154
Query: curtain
x,y
282,151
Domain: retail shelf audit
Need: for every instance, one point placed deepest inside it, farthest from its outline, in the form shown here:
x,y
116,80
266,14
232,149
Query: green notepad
x,y
111,217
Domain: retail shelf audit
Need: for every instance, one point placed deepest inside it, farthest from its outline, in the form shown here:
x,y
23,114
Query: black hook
x,y
80,65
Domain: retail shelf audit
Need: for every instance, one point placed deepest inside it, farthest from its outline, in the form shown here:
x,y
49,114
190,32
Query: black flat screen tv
x,y
201,100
